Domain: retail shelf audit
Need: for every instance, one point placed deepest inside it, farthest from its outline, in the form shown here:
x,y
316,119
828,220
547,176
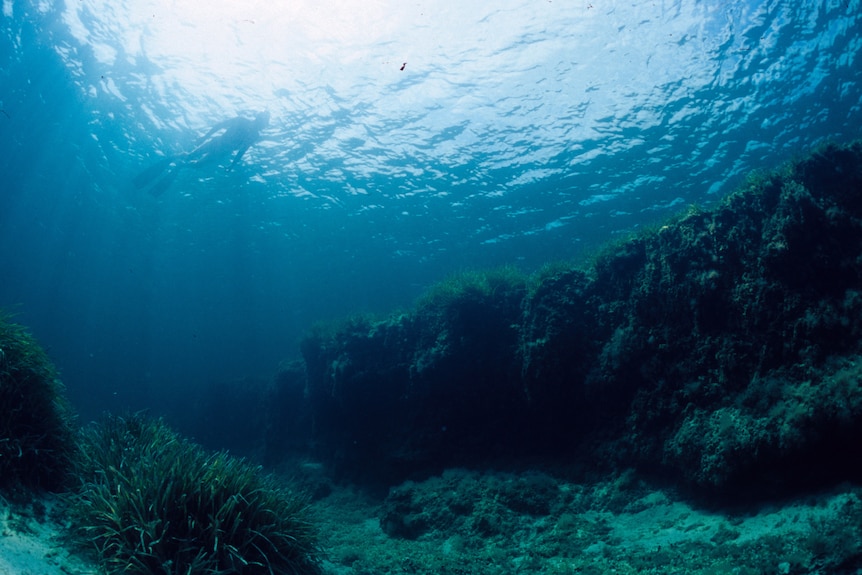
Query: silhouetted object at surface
x,y
228,138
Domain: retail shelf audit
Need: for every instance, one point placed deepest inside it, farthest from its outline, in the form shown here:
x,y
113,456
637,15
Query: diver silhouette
x,y
230,137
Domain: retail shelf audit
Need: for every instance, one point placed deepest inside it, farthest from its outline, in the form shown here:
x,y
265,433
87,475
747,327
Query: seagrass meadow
x,y
143,498
150,501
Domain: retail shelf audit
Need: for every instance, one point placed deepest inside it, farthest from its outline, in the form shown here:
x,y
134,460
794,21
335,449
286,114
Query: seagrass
x,y
150,501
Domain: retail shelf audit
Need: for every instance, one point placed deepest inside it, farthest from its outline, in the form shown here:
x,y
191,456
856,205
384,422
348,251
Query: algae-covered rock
x,y
748,303
422,389
461,500
710,349
35,420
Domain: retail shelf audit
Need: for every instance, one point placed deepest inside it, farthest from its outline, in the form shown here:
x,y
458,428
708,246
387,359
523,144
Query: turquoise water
x,y
407,142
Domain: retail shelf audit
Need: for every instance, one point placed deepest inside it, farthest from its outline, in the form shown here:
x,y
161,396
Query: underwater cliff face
x,y
722,348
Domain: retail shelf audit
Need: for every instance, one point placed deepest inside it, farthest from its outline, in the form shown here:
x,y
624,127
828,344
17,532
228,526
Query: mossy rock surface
x,y
36,433
425,388
465,522
705,349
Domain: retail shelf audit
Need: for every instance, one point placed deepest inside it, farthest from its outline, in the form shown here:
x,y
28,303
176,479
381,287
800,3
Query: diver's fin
x,y
163,184
149,175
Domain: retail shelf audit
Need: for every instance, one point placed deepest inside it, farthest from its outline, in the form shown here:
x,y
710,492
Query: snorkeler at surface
x,y
228,138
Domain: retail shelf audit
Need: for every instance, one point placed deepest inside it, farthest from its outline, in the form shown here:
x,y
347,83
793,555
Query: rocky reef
x,y
720,350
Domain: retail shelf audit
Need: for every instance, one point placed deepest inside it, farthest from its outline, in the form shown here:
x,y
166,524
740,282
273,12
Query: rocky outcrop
x,y
721,348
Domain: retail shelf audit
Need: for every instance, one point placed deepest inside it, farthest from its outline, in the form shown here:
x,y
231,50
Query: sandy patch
x,y
32,540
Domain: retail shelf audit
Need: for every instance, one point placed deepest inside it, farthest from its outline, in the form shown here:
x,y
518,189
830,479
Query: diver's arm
x,y
216,128
213,130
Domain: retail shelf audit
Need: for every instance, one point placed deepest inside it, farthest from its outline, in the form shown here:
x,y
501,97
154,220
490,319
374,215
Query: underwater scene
x,y
434,288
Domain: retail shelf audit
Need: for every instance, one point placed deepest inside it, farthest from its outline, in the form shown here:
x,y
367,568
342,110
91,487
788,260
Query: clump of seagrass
x,y
35,420
153,502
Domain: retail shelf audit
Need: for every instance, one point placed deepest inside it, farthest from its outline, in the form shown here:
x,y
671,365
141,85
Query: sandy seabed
x,y
477,523
34,540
